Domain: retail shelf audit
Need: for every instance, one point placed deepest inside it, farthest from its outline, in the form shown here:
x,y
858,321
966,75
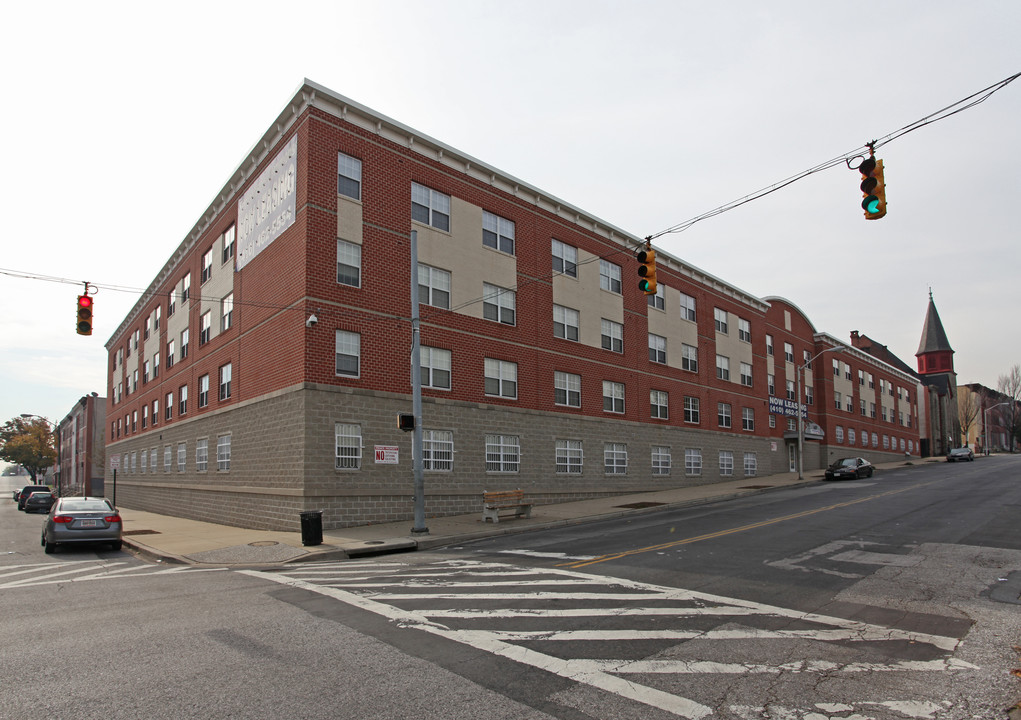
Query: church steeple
x,y
934,352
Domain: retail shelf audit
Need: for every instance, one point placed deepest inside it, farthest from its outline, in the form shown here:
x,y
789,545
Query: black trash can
x,y
312,527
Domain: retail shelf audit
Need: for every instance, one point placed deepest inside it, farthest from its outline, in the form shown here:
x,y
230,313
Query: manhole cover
x,y
263,543
640,505
140,532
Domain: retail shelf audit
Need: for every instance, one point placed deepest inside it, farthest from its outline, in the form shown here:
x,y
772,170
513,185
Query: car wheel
x,y
49,547
116,545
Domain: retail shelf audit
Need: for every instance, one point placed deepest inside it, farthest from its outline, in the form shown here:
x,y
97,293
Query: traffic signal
x,y
647,271
873,188
405,422
84,315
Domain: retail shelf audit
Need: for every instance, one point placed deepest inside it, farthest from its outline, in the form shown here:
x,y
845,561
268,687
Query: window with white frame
x,y
791,392
349,264
349,176
501,378
744,330
687,307
692,461
155,412
438,450
503,453
849,403
613,396
170,353
838,434
837,401
168,407
751,464
788,352
746,374
875,440
185,288
185,337
145,461
207,267
229,235
225,381
723,418
203,391
202,454
691,409
347,346
182,400
769,345
347,446
772,421
223,452
689,357
809,395
806,357
435,364
569,457
748,419
497,232
609,276
565,323
146,369
205,326
155,365
566,389
657,300
134,461
659,402
615,458
722,367
726,463
499,304
660,460
836,368
182,456
167,458
612,335
433,287
657,348
721,317
430,207
565,258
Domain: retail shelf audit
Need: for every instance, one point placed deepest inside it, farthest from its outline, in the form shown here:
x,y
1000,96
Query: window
x,y
847,371
657,348
225,377
437,450
347,446
791,392
155,412
744,330
722,367
746,374
430,207
614,458
148,327
687,307
836,368
503,453
433,287
872,381
168,407
167,457
612,336
202,454
145,419
837,401
691,410
721,320
751,464
723,414
872,410
134,460
497,232
156,318
613,397
861,405
609,276
726,463
435,364
660,460
207,266
501,378
772,421
565,323
228,244
146,368
182,456
748,419
769,345
839,434
227,312
185,287
498,304
565,258
849,403
689,357
861,377
792,425
883,413
569,456
788,352
864,438
349,264
203,391
155,366
170,354
658,300
349,176
171,302
222,453
566,389
182,400
659,403
875,440
184,343
205,326
809,395
806,357
692,461
348,352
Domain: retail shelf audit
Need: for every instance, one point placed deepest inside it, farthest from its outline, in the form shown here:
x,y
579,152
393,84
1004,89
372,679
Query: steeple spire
x,y
934,351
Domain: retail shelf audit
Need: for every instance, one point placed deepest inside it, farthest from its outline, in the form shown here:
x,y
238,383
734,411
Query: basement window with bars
x,y
348,444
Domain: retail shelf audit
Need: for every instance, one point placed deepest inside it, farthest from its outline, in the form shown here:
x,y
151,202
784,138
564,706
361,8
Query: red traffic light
x,y
84,301
84,315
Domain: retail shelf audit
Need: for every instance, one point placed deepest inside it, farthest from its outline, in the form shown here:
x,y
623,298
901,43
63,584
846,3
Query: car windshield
x,y
41,495
848,462
85,505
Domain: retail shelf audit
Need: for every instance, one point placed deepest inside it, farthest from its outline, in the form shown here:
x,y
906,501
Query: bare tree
x,y
969,405
1010,386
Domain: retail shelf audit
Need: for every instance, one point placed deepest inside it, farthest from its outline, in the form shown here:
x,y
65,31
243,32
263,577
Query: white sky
x,y
124,119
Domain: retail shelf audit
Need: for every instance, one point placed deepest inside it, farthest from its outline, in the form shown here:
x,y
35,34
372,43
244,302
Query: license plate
x,y
89,523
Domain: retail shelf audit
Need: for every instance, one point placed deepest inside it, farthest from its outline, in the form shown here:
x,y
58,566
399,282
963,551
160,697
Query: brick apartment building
x,y
543,365
81,447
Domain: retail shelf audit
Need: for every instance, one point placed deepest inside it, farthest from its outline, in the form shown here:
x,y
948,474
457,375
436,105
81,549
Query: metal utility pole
x,y
416,396
801,417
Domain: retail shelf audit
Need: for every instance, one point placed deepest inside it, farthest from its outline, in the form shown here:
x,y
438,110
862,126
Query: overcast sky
x,y
124,120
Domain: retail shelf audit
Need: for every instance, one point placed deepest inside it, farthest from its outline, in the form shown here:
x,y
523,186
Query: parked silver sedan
x,y
82,520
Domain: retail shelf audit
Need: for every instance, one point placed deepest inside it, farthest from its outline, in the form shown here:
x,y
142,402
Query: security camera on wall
x,y
312,320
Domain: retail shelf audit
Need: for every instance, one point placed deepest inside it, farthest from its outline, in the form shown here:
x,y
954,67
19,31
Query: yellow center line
x,y
721,533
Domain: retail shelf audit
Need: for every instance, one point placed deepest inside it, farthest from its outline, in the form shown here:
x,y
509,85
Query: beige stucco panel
x,y
592,302
349,219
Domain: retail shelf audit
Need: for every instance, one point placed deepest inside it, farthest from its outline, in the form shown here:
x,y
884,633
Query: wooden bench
x,y
504,500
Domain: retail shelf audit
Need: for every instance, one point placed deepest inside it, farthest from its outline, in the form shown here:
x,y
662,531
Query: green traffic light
x,y
870,204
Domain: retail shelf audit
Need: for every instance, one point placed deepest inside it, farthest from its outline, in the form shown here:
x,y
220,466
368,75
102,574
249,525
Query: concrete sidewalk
x,y
170,539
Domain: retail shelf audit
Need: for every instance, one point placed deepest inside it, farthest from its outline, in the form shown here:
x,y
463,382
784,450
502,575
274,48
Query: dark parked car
x,y
960,454
27,490
849,469
82,520
40,501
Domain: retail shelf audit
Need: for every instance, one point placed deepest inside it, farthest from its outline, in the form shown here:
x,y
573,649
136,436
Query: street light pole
x,y
801,416
987,422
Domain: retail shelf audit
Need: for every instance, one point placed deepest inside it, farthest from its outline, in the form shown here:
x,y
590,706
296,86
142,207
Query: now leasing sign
x,y
267,209
783,406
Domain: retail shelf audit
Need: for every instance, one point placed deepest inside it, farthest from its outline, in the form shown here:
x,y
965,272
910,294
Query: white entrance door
x,y
792,457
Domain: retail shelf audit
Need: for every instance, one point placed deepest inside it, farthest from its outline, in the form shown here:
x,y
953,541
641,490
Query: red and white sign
x,y
115,461
386,454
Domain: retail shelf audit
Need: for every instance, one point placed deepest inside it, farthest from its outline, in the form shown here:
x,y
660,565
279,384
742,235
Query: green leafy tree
x,y
28,443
